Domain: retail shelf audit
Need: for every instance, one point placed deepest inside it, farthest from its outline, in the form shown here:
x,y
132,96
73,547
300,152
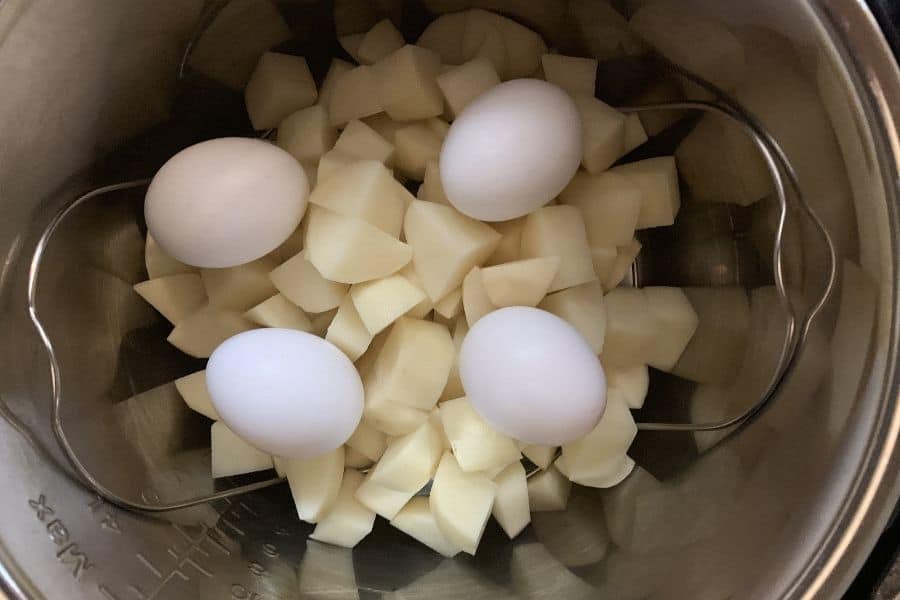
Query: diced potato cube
x,y
307,134
174,296
355,460
483,39
603,131
239,288
366,190
349,250
380,41
559,231
322,321
540,455
589,458
450,305
582,307
524,47
520,283
446,245
382,301
409,461
548,490
631,383
576,75
347,331
407,84
383,501
195,394
476,445
461,503
621,267
475,299
444,36
159,264
348,521
630,328
415,363
368,441
387,416
331,162
511,506
610,205
300,282
278,311
351,43
202,332
716,350
415,146
315,483
432,190
454,388
335,71
230,47
676,322
417,521
466,82
439,126
604,259
355,96
635,135
362,142
280,86
425,306
233,456
509,248
658,181
385,126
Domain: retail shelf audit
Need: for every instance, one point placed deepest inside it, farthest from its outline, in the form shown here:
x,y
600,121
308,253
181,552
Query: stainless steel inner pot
x,y
789,506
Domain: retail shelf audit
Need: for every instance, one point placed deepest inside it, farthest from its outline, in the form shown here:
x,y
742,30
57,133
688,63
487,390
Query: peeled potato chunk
x,y
658,180
509,248
380,41
417,521
315,483
413,367
407,83
349,250
362,142
594,458
622,264
338,67
202,332
409,461
548,490
432,190
446,245
239,288
676,322
461,503
631,382
300,282
195,394
444,36
450,305
347,330
355,96
331,162
462,84
610,205
630,328
160,264
348,521
635,134
476,445
604,133
368,441
280,85
381,500
540,455
416,145
174,296
278,311
307,134
520,283
582,306
355,460
382,301
454,388
575,74
233,456
387,416
511,506
367,190
559,231
475,299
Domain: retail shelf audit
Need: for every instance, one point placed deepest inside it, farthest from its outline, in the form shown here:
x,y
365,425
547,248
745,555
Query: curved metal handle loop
x,y
56,384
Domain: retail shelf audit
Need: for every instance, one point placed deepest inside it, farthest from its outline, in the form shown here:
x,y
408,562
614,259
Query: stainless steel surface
x,y
789,506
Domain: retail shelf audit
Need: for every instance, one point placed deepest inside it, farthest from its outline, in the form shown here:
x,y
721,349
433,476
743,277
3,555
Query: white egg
x,y
226,202
286,392
512,150
532,376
